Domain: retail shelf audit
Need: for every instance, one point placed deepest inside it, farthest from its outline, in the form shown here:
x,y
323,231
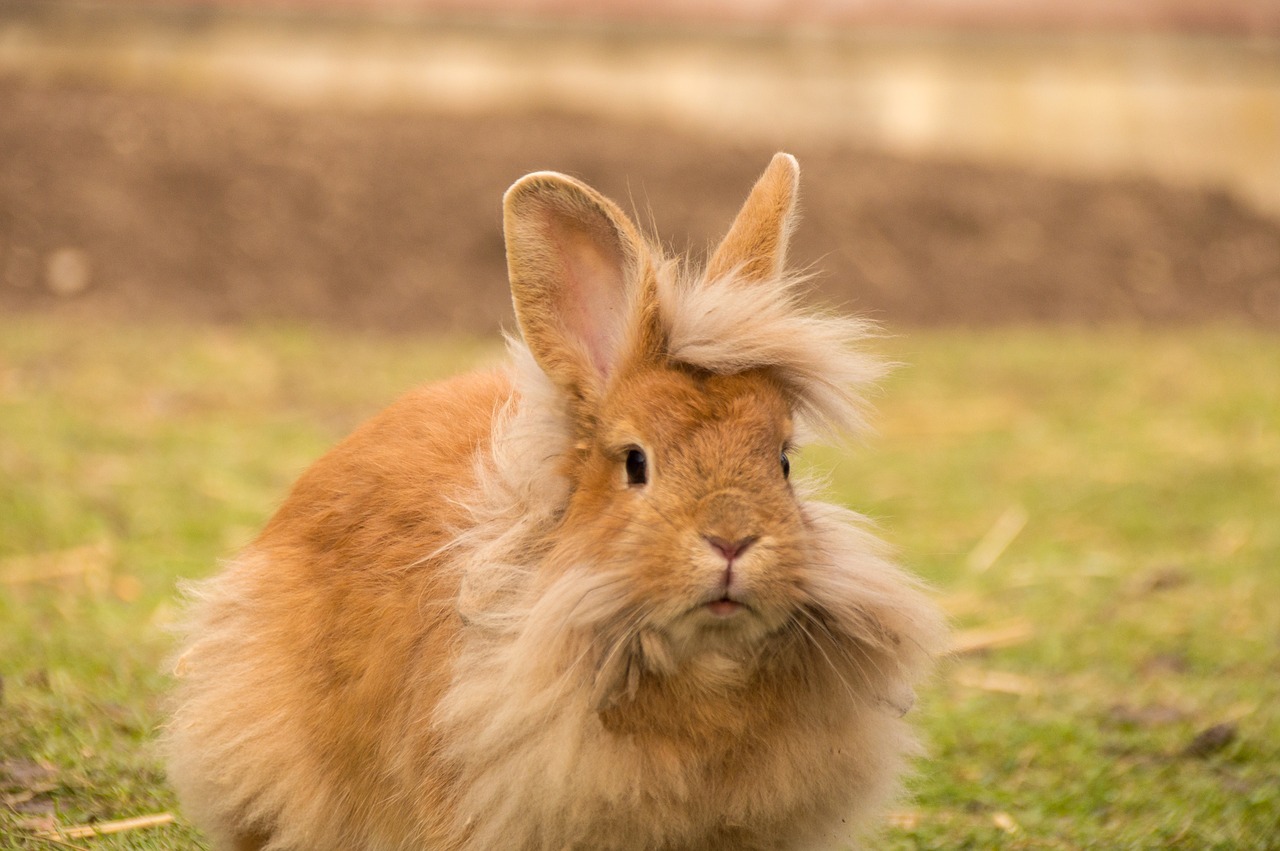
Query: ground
x,y
131,204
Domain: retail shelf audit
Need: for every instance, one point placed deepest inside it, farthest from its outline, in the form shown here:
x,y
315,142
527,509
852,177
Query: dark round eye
x,y
637,467
786,465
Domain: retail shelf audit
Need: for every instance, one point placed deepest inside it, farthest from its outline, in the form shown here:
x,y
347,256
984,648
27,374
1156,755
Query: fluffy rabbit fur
x,y
574,603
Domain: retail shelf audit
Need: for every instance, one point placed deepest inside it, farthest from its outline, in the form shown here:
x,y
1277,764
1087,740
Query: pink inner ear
x,y
594,291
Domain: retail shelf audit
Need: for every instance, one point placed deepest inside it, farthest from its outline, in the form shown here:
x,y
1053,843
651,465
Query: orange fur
x,y
468,628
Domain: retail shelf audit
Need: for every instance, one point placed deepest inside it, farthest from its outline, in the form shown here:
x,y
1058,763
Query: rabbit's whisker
x,y
815,644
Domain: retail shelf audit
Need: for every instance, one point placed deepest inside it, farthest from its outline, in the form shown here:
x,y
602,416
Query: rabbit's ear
x,y
572,256
756,246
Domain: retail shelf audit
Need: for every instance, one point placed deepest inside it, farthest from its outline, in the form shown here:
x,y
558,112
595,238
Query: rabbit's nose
x,y
730,549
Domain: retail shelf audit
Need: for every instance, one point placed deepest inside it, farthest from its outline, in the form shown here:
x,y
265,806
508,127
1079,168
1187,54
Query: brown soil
x,y
142,205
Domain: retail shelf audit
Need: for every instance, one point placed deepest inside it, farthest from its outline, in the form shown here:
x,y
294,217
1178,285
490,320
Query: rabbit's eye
x,y
786,465
637,467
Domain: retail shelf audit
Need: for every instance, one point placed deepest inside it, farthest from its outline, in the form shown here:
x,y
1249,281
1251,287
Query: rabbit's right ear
x,y
574,259
756,246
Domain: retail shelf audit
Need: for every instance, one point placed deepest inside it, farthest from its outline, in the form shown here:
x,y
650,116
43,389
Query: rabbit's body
x,y
308,647
575,604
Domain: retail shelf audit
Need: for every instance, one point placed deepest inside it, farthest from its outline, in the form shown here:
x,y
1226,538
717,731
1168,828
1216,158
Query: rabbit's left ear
x,y
575,263
755,248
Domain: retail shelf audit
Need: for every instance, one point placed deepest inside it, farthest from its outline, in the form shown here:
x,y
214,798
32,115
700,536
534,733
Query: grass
x,y
1135,477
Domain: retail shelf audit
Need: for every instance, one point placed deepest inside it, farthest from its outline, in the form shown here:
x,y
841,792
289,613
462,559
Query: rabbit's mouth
x,y
725,607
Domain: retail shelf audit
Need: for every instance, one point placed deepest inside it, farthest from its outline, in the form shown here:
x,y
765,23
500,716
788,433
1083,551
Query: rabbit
x,y
579,601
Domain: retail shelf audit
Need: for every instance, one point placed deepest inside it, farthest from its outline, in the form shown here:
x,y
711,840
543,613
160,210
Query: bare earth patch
x,y
143,205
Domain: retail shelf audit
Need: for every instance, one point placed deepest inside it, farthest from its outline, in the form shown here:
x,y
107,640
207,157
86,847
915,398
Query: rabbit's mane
x,y
528,645
732,324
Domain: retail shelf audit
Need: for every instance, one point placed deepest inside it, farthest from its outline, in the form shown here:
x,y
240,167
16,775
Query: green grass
x,y
1147,572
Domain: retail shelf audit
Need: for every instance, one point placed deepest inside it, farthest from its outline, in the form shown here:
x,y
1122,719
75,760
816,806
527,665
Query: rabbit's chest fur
x,y
675,767
724,748
717,746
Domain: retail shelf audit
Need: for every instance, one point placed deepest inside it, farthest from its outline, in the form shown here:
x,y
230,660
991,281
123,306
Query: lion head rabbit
x,y
577,602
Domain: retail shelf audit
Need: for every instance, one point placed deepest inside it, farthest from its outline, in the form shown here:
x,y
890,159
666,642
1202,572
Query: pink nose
x,y
730,549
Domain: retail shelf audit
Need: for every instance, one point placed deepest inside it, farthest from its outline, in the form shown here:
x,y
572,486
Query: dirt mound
x,y
130,204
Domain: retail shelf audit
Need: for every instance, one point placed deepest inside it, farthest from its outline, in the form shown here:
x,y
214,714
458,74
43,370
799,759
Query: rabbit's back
x,y
327,643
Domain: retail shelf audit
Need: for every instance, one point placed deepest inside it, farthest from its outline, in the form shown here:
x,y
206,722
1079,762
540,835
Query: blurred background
x,y
342,161
231,230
